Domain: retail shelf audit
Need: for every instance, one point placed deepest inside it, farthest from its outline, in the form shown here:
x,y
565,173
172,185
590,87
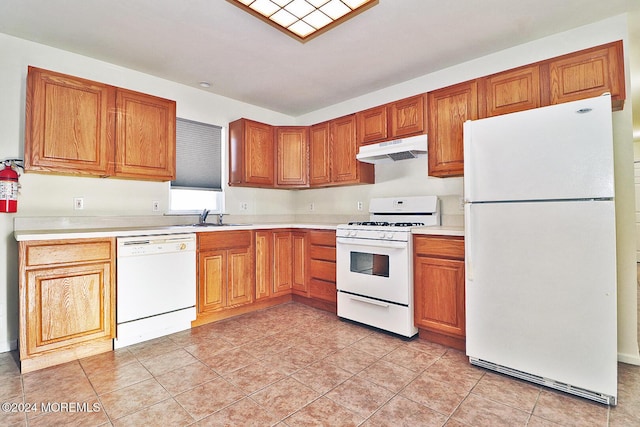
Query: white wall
x,y
46,195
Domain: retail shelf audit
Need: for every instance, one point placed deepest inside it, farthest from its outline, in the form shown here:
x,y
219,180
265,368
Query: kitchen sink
x,y
211,224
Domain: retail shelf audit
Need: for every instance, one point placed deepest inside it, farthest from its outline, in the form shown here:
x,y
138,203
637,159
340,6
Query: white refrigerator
x,y
541,247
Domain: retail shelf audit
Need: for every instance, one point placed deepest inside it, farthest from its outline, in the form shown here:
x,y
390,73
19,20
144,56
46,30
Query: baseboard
x,y
631,359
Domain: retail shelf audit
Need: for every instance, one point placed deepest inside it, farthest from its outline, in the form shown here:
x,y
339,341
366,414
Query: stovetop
x,y
386,224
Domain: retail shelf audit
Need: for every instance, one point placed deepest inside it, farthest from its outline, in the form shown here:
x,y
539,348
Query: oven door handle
x,y
373,243
368,301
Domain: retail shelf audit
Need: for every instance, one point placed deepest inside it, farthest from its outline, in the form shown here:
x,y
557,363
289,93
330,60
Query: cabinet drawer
x,y
324,270
223,240
322,238
322,252
320,289
446,247
62,252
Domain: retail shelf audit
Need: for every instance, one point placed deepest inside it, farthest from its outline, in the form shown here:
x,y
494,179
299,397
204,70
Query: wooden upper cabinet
x,y
146,136
345,169
319,155
407,116
69,128
372,125
251,154
292,158
76,126
448,109
588,73
510,91
393,120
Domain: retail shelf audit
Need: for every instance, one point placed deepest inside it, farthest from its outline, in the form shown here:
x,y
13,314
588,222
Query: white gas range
x,y
375,263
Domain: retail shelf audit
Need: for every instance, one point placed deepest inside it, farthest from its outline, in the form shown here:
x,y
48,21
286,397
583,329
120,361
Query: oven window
x,y
370,264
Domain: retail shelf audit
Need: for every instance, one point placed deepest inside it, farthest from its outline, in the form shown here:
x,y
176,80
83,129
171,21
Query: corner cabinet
x,y
225,270
439,289
251,154
67,300
448,109
292,160
80,127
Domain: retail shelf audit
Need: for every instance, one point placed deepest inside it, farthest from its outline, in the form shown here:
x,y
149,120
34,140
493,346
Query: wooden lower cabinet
x,y
299,263
67,300
439,289
322,268
225,270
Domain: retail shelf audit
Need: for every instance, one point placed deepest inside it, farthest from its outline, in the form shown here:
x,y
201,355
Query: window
x,y
198,168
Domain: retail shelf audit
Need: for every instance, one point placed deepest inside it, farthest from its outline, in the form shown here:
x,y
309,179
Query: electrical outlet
x,y
78,203
312,206
244,206
461,203
360,206
156,206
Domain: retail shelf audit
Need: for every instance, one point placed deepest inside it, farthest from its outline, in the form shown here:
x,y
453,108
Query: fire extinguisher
x,y
9,186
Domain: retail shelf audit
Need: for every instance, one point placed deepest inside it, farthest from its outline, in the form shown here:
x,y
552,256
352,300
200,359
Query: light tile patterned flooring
x,y
293,365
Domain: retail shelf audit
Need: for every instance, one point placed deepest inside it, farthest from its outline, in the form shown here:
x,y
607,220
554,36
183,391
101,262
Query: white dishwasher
x,y
156,286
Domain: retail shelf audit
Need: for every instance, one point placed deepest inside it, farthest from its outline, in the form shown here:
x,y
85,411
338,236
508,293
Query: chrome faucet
x,y
220,218
203,216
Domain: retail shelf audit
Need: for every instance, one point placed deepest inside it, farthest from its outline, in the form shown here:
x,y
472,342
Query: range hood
x,y
391,151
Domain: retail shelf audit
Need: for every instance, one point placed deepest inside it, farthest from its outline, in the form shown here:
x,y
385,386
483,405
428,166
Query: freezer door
x,y
562,151
541,290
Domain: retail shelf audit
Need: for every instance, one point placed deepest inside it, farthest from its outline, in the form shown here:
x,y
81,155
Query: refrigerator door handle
x,y
468,267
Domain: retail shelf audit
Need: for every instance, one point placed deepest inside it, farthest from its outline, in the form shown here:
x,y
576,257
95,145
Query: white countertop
x,y
101,232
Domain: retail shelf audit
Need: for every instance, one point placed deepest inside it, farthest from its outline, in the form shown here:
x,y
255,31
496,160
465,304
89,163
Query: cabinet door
x,y
589,73
264,264
319,155
65,306
239,276
439,295
145,136
299,255
293,156
344,149
69,128
372,125
282,262
212,280
449,108
407,116
511,91
259,154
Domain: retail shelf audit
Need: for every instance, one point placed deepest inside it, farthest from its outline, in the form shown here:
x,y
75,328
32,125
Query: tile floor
x,y
293,365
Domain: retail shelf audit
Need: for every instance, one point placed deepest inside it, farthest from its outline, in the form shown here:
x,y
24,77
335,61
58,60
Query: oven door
x,y
377,269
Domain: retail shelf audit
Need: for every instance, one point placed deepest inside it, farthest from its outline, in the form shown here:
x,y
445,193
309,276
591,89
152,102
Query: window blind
x,y
198,155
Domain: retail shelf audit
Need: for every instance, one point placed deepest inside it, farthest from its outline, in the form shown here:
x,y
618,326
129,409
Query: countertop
x,y
102,232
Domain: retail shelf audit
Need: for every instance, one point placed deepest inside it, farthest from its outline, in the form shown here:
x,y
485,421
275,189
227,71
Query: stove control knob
x,y
381,234
389,236
352,233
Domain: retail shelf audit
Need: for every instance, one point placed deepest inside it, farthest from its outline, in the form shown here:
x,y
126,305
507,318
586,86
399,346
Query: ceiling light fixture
x,y
304,19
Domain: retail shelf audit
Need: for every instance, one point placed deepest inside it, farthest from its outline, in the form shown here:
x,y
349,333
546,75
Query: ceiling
x,y
245,59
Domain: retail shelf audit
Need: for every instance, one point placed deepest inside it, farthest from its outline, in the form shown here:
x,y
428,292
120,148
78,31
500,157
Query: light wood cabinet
x,y
439,289
588,73
251,154
264,263
319,155
225,270
397,119
77,126
292,160
372,125
407,116
145,136
510,91
67,300
448,109
345,169
299,284
322,266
